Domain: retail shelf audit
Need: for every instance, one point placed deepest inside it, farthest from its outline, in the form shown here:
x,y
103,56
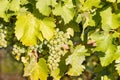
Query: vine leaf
x,y
26,29
111,0
66,11
55,74
14,5
109,56
88,4
109,50
36,70
29,67
43,69
118,1
3,8
22,2
76,60
43,7
47,26
111,22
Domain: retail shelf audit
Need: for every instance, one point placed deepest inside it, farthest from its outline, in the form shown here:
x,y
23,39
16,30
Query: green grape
x,y
18,51
57,48
3,42
37,50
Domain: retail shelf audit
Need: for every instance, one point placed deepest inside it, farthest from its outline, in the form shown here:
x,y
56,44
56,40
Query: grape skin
x,y
56,49
3,42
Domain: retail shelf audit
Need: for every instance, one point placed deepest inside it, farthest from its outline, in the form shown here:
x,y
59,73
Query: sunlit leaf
x,y
118,1
3,7
26,29
36,70
43,69
55,74
89,4
14,5
43,7
29,67
109,20
47,28
66,11
76,60
111,0
104,43
22,2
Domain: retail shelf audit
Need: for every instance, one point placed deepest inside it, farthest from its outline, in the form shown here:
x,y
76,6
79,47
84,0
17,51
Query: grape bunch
x,y
58,46
3,42
18,50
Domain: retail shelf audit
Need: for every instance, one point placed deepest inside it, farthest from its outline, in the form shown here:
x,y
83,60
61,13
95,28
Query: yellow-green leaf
x,y
3,8
36,70
111,0
76,60
55,74
47,28
43,7
109,20
26,29
43,69
67,11
14,5
88,4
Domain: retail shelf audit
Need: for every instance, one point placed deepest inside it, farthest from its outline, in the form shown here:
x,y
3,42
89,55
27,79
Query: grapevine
x,y
63,39
58,47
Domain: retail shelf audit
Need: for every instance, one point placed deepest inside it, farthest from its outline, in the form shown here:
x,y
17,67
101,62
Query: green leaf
x,y
104,43
22,2
109,56
118,1
109,20
79,18
43,69
4,6
43,7
117,55
52,2
29,67
101,40
26,29
55,74
88,4
36,70
76,60
94,19
47,28
66,11
14,5
111,0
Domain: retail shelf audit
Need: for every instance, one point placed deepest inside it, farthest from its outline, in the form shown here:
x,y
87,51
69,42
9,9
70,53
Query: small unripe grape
x,y
57,48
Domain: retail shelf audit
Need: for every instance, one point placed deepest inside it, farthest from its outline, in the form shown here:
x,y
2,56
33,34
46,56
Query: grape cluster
x,y
3,42
58,46
25,53
18,51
